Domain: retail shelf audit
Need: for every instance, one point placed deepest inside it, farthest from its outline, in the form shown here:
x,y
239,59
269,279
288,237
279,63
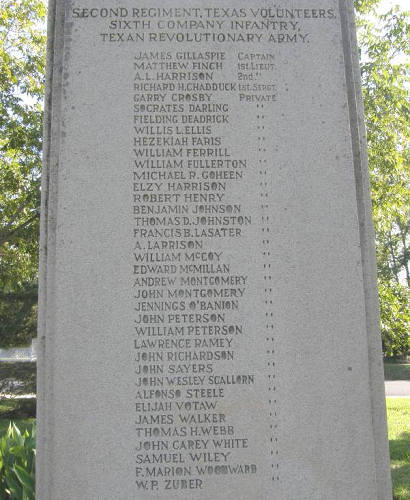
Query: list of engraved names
x,y
203,91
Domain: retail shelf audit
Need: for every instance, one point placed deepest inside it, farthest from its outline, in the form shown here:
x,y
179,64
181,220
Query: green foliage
x,y
23,425
22,65
17,464
394,318
365,6
384,48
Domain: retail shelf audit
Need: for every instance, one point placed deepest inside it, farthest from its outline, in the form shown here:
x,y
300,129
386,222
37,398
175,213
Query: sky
x,y
386,4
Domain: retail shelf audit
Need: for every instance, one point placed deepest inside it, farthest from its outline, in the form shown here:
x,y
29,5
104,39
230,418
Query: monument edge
x,y
368,253
48,219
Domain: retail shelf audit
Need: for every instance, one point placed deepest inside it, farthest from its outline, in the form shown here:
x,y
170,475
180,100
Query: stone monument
x,y
208,306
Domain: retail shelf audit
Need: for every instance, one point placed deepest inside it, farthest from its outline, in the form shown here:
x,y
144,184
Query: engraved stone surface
x,y
208,312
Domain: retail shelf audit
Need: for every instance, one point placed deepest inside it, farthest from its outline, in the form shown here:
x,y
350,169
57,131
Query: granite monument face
x,y
208,306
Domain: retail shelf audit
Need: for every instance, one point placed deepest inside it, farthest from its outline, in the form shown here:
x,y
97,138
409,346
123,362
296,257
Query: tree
x,y
383,40
22,65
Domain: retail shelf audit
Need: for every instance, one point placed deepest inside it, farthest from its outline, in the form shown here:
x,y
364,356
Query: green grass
x,y
394,370
398,417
